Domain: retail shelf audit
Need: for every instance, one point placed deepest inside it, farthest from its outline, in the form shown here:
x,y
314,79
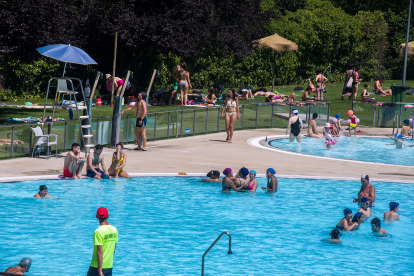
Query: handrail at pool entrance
x,y
221,235
252,115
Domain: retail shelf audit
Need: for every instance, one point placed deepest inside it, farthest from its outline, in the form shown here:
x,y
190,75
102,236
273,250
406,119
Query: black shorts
x,y
93,271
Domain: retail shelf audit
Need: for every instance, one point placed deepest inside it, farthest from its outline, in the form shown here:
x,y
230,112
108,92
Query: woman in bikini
x,y
119,159
310,84
184,83
312,131
232,112
355,82
320,83
306,96
295,125
227,184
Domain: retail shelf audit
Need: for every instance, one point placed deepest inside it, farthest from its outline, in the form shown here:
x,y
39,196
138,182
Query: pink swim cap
x,y
334,121
350,112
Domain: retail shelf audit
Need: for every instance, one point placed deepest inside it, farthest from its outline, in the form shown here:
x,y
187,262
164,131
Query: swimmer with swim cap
x,y
367,190
376,226
406,130
398,142
392,214
335,235
241,178
42,192
271,180
365,207
227,184
23,266
346,223
359,218
252,182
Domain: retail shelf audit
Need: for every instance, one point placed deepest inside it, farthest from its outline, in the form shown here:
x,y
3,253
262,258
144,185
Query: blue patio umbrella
x,y
66,53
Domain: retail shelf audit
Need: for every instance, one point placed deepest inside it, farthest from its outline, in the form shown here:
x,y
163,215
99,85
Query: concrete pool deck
x,y
200,154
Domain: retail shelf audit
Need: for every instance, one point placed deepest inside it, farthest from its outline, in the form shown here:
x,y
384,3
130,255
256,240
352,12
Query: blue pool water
x,y
166,224
351,148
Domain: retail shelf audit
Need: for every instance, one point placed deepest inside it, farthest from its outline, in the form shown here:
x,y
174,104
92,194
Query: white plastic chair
x,y
43,140
62,88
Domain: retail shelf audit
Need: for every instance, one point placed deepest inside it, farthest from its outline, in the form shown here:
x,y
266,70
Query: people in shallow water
x,y
365,207
252,181
359,218
367,190
398,142
295,125
346,223
392,214
214,176
335,235
312,131
42,192
23,266
271,180
376,226
241,178
227,184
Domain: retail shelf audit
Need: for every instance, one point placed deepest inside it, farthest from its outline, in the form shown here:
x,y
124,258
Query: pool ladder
x,y
224,233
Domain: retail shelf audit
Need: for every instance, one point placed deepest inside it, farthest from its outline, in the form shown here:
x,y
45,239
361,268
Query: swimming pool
x,y
351,148
166,224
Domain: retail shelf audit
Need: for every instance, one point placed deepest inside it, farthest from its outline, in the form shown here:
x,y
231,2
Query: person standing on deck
x,y
105,239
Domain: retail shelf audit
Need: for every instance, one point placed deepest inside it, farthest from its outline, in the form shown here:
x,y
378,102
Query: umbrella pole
x,y
406,45
64,70
274,69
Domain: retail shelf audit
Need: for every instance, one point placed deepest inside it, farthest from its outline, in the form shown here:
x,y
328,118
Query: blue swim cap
x,y
406,122
337,115
358,214
347,211
253,171
244,171
295,111
393,205
364,199
272,171
398,135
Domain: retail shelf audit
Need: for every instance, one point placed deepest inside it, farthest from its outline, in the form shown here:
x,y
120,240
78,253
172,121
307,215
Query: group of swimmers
x,y
74,163
243,180
366,199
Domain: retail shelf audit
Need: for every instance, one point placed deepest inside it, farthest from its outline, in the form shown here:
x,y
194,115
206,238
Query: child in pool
x,y
252,181
335,128
392,214
365,207
397,142
406,130
353,122
335,235
327,129
329,142
376,226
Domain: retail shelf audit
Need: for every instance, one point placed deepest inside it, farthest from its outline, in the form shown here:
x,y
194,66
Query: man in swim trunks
x,y
392,214
271,180
94,160
141,114
74,163
105,239
367,190
23,266
42,192
378,88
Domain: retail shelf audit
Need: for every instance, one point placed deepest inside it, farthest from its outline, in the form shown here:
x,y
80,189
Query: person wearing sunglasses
x,y
365,207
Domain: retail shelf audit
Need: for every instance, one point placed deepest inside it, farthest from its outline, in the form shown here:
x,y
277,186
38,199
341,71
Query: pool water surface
x,y
351,148
166,224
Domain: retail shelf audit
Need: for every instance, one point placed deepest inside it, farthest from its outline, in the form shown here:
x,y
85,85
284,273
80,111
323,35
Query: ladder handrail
x,y
228,234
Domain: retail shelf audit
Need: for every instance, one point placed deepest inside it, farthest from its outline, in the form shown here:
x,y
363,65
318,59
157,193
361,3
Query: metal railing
x,y
166,124
229,252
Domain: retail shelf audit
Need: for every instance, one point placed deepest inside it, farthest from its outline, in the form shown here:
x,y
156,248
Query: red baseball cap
x,y
102,213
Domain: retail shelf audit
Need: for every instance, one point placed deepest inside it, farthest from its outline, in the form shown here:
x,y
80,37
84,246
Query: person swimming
x,y
365,207
398,142
252,182
359,218
335,235
227,184
346,223
392,214
271,180
42,192
376,226
329,142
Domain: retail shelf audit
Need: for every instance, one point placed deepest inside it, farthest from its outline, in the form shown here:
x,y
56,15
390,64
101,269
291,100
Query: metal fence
x,y
160,125
383,114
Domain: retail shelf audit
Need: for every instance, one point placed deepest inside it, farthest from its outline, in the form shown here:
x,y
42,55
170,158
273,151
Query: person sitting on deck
x,y
119,159
378,88
73,163
96,159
